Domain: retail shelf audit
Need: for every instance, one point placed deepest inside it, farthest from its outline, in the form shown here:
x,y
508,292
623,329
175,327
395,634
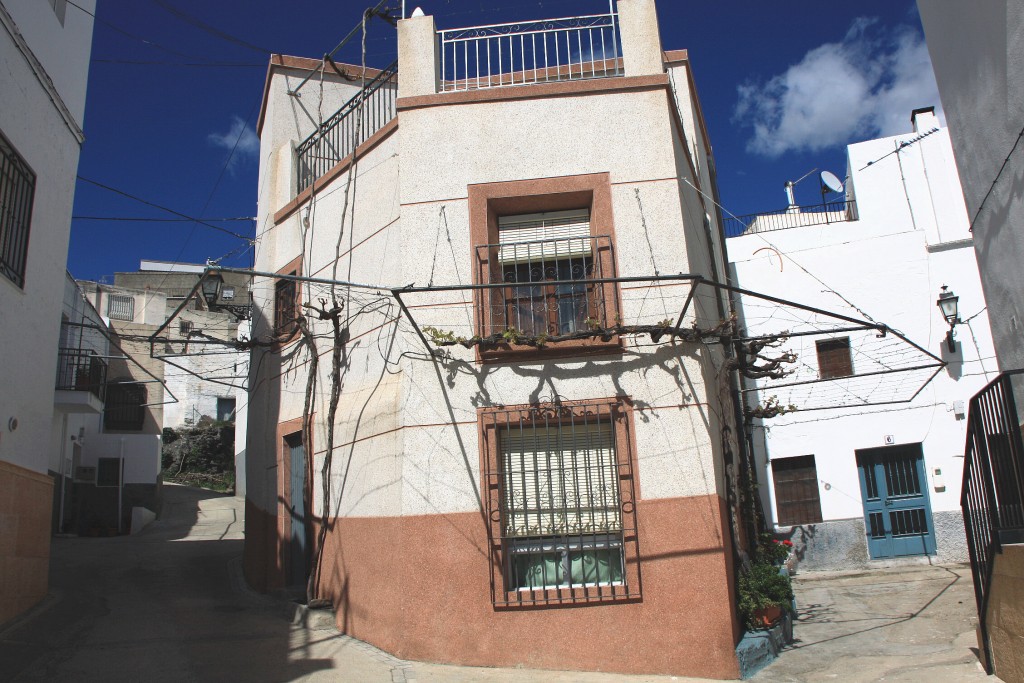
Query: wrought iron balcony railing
x,y
992,497
368,111
524,53
81,370
792,217
551,287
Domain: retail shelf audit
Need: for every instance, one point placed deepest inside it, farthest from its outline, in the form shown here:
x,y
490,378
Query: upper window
x,y
285,307
121,307
225,409
125,407
796,490
17,191
834,358
561,488
536,251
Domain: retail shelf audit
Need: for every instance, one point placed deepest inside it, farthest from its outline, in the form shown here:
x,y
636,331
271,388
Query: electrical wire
x,y
212,30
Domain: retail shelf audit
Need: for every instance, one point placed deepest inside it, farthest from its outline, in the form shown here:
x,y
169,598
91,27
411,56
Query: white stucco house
x,y
878,479
505,438
44,59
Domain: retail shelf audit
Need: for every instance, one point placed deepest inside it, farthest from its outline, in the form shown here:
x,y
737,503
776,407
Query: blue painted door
x,y
297,546
897,514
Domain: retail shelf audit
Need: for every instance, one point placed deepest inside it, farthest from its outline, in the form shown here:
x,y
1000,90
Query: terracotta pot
x,y
767,616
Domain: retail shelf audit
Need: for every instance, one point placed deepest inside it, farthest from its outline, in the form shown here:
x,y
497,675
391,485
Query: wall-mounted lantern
x,y
947,303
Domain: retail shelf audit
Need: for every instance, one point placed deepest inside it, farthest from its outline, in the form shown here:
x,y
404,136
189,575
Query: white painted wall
x,y
141,453
977,51
911,238
41,135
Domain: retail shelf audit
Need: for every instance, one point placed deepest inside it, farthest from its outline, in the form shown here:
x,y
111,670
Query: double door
x,y
897,514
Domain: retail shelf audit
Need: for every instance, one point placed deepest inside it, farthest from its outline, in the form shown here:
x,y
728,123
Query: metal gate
x,y
897,514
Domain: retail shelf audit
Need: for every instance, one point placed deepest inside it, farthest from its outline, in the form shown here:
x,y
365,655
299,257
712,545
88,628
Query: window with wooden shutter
x,y
797,499
834,358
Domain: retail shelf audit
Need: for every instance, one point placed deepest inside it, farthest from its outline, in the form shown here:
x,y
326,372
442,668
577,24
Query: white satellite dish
x,y
831,182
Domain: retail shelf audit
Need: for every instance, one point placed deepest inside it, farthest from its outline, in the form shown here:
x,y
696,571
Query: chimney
x,y
924,119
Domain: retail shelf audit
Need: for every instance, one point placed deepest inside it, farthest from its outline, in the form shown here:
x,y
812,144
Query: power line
x,y
212,30
162,208
157,220
132,35
154,62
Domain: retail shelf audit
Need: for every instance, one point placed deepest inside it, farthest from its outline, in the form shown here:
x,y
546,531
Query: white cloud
x,y
240,138
861,87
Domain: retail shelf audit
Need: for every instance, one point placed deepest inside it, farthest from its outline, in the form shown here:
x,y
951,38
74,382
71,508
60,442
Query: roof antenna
x,y
790,184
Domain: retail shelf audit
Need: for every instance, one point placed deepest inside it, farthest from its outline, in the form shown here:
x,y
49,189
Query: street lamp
x,y
211,286
947,304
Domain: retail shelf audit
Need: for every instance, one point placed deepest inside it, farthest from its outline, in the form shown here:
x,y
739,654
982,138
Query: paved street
x,y
169,605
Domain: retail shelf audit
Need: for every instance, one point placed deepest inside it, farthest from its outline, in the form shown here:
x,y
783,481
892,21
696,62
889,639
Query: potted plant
x,y
765,595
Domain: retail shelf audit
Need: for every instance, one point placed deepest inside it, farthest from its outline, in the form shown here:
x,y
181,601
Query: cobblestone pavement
x,y
169,605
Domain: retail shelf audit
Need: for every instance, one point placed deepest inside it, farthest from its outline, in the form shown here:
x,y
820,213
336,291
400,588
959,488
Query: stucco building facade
x,y
490,501
878,480
44,52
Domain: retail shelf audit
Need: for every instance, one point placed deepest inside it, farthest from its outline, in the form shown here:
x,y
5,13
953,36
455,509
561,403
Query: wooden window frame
x,y
785,502
619,412
489,201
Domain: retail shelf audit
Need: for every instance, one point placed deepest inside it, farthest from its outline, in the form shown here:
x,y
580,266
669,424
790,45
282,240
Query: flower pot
x,y
767,616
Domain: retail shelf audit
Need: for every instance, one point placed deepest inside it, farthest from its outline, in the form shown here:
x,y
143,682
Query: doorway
x,y
897,513
297,542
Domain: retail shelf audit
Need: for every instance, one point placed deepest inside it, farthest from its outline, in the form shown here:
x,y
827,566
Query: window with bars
x,y
185,327
535,250
285,307
124,409
121,307
797,499
560,489
17,192
834,358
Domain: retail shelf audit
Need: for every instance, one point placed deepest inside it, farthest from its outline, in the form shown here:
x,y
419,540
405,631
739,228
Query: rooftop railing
x,y
368,111
792,217
523,53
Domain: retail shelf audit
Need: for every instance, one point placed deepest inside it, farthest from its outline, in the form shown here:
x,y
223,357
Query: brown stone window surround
x,y
287,305
490,201
560,492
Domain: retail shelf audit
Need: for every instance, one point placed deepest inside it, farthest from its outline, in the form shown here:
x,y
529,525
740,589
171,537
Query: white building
x,y
871,482
44,62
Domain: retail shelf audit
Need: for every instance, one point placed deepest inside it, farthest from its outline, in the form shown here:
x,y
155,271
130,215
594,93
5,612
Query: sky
x,y
175,86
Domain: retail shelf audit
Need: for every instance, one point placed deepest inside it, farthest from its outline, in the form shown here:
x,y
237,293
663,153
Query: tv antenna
x,y
790,184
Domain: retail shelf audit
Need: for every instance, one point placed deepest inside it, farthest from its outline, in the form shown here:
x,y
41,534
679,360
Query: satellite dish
x,y
831,182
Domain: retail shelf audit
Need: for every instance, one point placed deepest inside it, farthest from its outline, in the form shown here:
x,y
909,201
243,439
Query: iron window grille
x,y
561,505
285,307
549,262
17,192
834,358
124,409
121,307
185,327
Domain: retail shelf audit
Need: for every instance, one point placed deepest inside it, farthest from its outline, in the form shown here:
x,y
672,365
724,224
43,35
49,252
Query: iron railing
x,y
368,111
530,305
993,483
571,48
792,217
81,370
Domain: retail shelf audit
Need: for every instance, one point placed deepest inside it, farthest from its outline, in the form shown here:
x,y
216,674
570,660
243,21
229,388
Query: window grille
x,y
227,293
834,358
285,307
562,513
185,327
121,307
124,409
533,252
17,191
797,499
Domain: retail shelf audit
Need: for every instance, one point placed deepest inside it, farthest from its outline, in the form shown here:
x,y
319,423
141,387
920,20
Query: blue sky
x,y
175,85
